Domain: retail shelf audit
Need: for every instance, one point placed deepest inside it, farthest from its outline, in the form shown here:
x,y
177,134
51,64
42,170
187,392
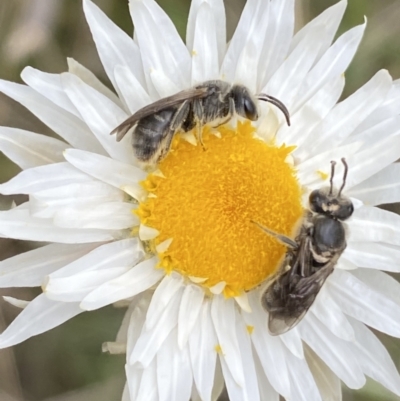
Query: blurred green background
x,y
66,364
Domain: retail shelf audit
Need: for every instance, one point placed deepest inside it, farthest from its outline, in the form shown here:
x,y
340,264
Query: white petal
x,y
27,149
333,63
28,269
174,375
114,46
44,177
373,255
189,310
336,353
147,233
131,89
138,279
375,225
329,19
161,47
205,65
17,223
329,313
151,340
108,215
382,187
293,342
328,383
345,117
364,303
202,343
42,314
143,382
19,303
374,358
223,316
163,295
100,114
68,126
120,175
243,301
89,78
267,393
217,24
49,86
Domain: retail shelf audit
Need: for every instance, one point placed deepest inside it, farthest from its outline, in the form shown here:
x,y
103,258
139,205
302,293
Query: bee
x,y
213,102
310,257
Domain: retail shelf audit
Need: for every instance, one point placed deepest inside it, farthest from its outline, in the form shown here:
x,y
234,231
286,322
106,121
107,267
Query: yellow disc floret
x,y
206,199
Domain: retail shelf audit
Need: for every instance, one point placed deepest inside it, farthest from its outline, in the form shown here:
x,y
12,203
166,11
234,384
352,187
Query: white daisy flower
x,y
176,245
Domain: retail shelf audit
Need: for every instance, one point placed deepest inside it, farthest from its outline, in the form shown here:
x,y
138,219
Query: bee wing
x,y
125,126
299,299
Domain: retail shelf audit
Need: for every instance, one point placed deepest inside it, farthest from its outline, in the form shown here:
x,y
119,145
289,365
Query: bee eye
x,y
250,109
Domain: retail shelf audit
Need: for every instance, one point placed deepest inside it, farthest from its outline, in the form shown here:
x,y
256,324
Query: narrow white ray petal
x,y
250,391
49,86
302,383
109,215
163,295
374,358
345,264
120,175
382,187
114,46
189,310
309,168
243,301
311,113
138,279
365,164
89,78
277,40
163,85
246,24
76,287
28,269
65,124
328,312
203,356
218,288
205,64
373,255
336,353
328,383
18,303
100,114
345,117
160,44
47,202
142,382
150,341
267,392
380,281
174,374
285,82
44,177
147,233
27,149
132,91
42,314
333,63
125,394
163,246
219,383
363,303
269,349
19,224
293,343
330,20
218,22
374,225
223,316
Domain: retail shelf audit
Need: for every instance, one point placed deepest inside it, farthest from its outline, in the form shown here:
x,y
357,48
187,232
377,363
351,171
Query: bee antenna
x,y
280,237
346,169
277,103
333,164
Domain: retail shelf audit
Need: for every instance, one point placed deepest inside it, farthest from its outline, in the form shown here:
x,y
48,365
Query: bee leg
x,y
231,112
180,116
199,116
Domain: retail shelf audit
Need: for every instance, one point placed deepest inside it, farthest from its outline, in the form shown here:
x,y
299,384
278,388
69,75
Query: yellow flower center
x,y
205,200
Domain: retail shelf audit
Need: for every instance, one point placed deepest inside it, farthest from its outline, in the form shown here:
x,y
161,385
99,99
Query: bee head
x,y
331,202
245,106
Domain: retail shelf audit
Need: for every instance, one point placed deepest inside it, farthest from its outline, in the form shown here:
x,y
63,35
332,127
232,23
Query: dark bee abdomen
x,y
328,235
150,131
